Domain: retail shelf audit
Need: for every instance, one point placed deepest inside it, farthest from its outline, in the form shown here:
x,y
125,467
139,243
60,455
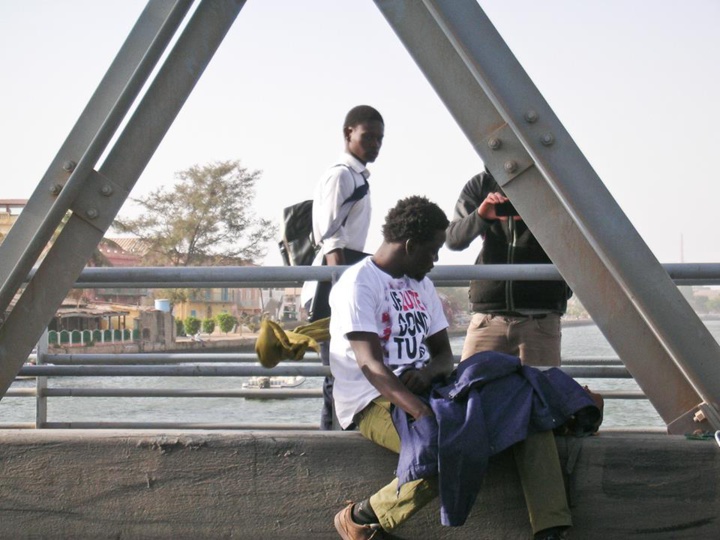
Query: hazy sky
x,y
635,82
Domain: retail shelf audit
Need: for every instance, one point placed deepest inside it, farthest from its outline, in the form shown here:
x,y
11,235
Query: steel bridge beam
x,y
105,191
153,277
67,175
668,350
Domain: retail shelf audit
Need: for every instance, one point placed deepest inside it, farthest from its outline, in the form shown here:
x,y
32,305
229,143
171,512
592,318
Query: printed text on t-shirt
x,y
412,324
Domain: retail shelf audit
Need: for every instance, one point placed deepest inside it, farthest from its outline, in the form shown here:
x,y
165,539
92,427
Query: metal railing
x,y
246,364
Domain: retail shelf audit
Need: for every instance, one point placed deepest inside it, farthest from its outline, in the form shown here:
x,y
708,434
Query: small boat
x,y
263,383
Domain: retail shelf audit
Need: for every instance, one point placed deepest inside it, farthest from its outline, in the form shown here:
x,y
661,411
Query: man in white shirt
x,y
341,215
388,344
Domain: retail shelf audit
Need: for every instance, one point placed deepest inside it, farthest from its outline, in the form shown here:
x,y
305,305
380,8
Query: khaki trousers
x,y
536,340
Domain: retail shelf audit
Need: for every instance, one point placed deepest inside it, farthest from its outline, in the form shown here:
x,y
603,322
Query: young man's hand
x,y
422,412
417,381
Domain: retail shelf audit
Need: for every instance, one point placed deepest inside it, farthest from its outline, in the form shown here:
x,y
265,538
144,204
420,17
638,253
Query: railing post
x,y
41,383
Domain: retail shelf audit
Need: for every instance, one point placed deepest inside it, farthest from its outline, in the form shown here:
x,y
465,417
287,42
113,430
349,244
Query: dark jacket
x,y
504,242
490,403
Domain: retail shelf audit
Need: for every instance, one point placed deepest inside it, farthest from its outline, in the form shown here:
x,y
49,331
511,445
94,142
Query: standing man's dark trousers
x,y
320,309
326,414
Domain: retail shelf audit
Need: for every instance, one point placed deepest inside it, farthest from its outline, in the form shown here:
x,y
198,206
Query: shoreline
x,y
246,343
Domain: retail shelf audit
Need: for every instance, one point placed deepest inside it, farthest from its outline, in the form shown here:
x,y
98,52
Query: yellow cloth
x,y
275,344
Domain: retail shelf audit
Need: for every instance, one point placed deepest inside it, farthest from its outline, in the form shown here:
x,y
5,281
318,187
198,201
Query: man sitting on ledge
x,y
388,320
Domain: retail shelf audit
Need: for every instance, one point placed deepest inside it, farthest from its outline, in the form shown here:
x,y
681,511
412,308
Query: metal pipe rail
x,y
310,370
283,276
270,393
181,358
176,425
157,358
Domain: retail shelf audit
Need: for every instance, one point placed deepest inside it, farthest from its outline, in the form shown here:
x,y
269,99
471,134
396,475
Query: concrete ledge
x,y
288,485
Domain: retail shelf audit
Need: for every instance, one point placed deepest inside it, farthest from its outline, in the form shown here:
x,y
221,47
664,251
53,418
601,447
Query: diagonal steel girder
x,y
105,191
67,174
664,345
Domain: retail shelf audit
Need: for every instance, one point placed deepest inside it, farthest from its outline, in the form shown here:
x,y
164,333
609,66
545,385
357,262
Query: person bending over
x,y
387,319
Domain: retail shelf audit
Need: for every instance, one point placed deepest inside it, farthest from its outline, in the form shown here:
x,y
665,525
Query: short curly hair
x,y
414,218
361,114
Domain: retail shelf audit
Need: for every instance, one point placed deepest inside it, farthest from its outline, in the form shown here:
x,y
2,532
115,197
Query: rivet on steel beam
x,y
69,166
495,143
92,213
547,139
531,116
511,166
57,188
106,190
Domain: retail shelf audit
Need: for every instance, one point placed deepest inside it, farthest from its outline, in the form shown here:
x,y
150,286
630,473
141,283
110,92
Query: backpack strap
x,y
345,208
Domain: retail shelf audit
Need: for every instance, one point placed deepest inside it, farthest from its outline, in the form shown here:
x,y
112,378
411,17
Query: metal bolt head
x,y
547,139
531,116
106,190
495,143
511,166
55,189
69,166
92,213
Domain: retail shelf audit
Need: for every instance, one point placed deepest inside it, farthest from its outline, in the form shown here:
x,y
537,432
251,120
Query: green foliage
x,y
206,218
176,296
208,325
179,327
226,322
192,326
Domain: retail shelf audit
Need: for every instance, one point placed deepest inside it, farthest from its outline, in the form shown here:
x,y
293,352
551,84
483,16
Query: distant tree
x,y
226,322
206,218
179,327
208,325
176,296
192,325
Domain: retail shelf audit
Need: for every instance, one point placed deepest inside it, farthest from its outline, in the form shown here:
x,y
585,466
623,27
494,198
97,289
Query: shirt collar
x,y
355,164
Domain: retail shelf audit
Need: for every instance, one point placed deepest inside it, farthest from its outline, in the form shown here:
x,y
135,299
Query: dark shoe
x,y
349,530
553,533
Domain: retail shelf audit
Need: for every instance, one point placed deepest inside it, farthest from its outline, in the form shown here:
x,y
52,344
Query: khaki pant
x,y
536,340
536,458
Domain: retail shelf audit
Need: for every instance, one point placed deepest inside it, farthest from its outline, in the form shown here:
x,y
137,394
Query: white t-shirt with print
x,y
401,311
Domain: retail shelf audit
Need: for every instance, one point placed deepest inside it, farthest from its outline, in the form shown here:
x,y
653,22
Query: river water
x,y
578,341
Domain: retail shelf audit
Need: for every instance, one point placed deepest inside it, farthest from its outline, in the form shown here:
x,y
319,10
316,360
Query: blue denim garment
x,y
490,403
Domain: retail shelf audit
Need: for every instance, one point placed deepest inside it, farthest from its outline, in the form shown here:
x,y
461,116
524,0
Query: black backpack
x,y
297,245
